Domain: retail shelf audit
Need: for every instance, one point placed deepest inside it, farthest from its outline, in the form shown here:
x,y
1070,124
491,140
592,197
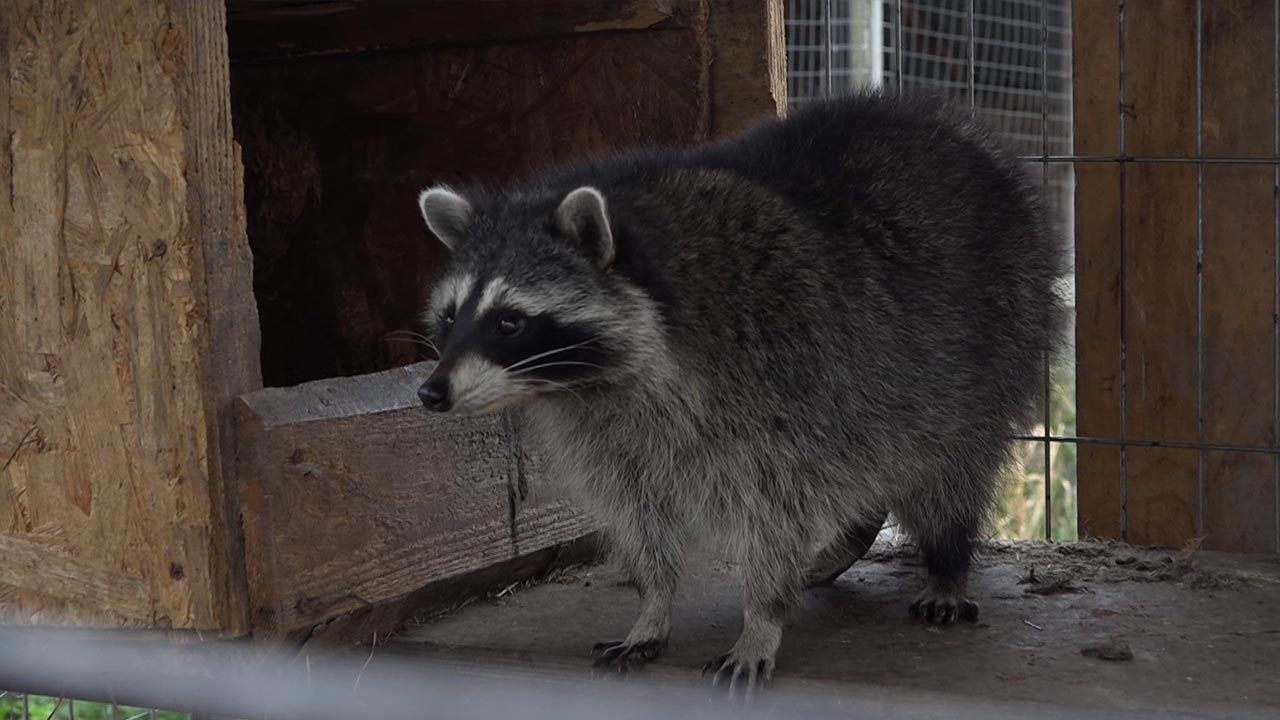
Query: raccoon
x,y
773,339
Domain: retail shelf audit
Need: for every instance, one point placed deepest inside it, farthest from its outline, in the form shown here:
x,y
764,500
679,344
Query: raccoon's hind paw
x,y
621,656
937,608
745,675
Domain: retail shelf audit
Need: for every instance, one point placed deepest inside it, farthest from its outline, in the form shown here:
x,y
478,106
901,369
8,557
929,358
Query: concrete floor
x,y
1203,630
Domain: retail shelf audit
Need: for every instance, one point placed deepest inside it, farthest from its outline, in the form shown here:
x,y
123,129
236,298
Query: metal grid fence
x,y
1011,61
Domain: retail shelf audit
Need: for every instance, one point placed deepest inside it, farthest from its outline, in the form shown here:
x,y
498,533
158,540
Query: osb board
x,y
337,148
355,497
1169,496
117,192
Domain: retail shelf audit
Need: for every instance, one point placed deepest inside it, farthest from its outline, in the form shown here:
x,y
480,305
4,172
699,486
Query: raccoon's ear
x,y
583,216
447,213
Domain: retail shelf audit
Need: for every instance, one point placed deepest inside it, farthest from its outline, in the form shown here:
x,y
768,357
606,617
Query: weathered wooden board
x,y
281,29
121,351
1166,502
1098,371
1160,77
355,497
1095,65
1239,283
1238,39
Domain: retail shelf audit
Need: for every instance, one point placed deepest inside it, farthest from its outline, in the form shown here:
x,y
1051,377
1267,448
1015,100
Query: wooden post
x,y
126,313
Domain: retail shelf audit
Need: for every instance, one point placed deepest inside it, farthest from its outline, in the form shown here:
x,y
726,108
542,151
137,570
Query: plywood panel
x,y
355,497
118,195
1098,369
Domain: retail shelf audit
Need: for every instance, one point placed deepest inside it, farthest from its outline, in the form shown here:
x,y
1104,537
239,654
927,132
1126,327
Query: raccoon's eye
x,y
510,324
447,320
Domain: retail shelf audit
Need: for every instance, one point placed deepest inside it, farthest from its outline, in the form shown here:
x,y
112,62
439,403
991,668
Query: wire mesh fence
x,y
121,674
1010,62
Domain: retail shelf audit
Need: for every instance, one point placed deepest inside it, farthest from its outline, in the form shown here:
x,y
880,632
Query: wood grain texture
x,y
748,63
1238,81
1162,389
1239,297
1098,369
1160,78
355,497
1162,496
117,199
270,31
1239,502
1095,63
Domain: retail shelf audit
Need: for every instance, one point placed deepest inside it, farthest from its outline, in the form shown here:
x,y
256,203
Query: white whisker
x,y
541,355
561,363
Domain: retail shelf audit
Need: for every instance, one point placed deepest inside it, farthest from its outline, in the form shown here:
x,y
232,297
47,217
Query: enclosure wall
x,y
1176,231
119,353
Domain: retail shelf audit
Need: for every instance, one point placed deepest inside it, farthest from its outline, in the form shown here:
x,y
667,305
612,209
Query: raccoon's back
x,y
868,250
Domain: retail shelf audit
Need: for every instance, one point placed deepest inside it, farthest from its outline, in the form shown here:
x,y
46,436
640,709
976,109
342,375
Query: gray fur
x,y
821,320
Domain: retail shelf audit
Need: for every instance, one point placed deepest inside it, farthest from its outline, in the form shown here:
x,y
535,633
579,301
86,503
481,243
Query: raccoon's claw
x,y
621,656
742,676
944,609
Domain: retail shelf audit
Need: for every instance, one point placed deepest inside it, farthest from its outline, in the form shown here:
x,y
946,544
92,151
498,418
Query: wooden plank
x,y
231,342
1098,371
1095,62
273,30
1239,288
1161,401
1239,502
1239,304
1239,355
1161,496
1160,273
117,199
1160,76
1238,83
354,497
748,68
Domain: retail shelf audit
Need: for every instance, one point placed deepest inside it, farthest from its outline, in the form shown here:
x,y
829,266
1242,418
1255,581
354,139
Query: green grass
x,y
1022,506
48,708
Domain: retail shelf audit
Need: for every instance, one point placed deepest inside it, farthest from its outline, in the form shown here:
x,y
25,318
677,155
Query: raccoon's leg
x,y
947,548
650,545
833,560
774,567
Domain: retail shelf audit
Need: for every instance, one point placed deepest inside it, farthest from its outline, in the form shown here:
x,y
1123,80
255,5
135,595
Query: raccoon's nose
x,y
434,394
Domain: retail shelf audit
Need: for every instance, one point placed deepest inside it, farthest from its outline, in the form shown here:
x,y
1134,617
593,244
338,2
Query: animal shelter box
x,y
212,261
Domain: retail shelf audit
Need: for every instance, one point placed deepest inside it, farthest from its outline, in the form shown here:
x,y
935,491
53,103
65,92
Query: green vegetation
x,y
1022,506
42,707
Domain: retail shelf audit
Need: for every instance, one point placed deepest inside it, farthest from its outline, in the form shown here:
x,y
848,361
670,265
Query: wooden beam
x,y
748,64
278,29
354,498
127,322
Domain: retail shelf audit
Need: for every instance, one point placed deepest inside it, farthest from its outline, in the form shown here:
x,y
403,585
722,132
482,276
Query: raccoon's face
x,y
527,304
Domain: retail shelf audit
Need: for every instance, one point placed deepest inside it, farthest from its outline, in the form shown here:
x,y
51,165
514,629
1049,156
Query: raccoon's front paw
x,y
942,608
739,673
621,656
